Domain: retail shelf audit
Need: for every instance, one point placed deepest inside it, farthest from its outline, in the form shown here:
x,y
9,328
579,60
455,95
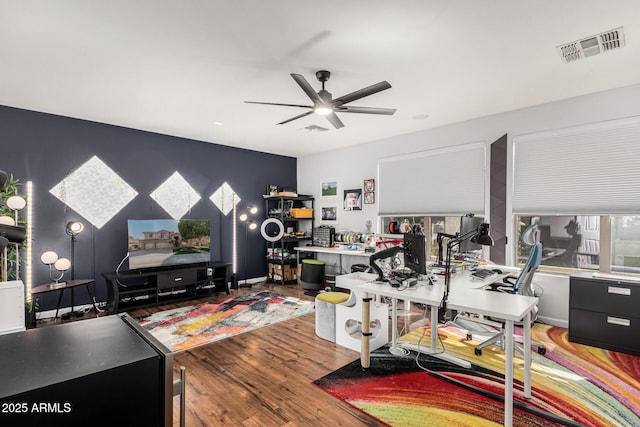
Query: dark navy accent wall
x,y
44,148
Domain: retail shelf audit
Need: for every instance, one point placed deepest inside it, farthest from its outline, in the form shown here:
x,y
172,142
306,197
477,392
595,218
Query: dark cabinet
x,y
295,217
603,312
125,288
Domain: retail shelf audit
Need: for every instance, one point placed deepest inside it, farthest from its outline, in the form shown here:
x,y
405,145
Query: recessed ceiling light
x,y
420,117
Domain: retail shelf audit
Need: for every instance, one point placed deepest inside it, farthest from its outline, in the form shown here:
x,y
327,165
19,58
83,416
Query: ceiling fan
x,y
324,105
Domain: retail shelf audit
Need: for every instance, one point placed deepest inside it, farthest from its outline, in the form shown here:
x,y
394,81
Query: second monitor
x,y
413,250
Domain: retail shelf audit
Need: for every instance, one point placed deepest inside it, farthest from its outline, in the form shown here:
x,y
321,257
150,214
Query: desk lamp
x,y
479,235
50,258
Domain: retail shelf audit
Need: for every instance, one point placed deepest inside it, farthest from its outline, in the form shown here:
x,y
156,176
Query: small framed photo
x,y
329,187
369,197
369,185
353,200
329,213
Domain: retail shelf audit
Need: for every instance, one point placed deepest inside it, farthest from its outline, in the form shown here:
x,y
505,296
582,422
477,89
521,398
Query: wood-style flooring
x,y
263,377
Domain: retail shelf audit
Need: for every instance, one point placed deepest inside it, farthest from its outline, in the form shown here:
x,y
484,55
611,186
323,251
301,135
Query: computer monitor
x,y
413,249
467,224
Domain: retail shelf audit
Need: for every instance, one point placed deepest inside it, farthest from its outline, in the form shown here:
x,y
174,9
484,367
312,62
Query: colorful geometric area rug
x,y
572,384
187,327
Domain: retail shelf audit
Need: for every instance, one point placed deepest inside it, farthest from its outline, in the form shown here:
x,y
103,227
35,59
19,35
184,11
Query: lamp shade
x,y
252,210
3,178
483,237
7,220
3,243
62,264
49,257
74,228
16,203
243,217
252,225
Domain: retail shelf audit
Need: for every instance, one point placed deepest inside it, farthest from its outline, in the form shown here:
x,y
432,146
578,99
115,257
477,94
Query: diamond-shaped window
x,y
176,196
94,191
225,198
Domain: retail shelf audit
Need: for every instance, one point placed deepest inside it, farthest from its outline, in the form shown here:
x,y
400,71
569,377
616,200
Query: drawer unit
x,y
604,313
177,278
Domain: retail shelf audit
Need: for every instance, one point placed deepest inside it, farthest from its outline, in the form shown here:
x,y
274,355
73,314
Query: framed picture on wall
x,y
329,188
329,213
369,185
353,200
369,191
369,197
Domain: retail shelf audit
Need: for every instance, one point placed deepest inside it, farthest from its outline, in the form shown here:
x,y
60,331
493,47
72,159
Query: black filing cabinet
x,y
604,312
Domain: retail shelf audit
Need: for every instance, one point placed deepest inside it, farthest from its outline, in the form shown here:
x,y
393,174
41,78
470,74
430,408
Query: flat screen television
x,y
468,223
168,242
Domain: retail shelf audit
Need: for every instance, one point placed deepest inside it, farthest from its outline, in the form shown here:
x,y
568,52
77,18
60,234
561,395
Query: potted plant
x,y
13,255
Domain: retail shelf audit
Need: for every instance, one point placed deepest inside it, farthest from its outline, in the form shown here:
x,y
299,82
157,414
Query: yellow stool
x,y
326,313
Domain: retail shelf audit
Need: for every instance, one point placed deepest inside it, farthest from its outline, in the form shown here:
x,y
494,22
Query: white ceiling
x,y
180,67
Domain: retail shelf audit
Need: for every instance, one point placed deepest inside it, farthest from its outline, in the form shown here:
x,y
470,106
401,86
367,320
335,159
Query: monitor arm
x,y
383,254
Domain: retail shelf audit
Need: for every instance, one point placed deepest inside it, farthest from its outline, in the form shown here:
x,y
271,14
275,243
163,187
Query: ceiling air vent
x,y
593,45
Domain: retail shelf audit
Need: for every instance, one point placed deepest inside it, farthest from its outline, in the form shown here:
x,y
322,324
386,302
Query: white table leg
x,y
527,355
394,349
434,328
508,374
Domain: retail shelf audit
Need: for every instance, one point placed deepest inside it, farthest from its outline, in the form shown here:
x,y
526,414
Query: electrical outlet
x,y
209,272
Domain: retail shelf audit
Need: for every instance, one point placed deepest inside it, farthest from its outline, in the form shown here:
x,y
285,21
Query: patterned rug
x,y
572,384
187,327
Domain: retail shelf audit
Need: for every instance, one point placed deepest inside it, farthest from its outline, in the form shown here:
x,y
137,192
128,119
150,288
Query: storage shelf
x,y
279,270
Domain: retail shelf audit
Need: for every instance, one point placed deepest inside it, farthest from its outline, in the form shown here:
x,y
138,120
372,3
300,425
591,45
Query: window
x,y
574,242
429,225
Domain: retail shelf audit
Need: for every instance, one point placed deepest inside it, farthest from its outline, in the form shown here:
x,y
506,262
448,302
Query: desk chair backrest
x,y
523,282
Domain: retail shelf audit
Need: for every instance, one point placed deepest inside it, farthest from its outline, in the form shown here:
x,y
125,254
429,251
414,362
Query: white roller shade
x,y
435,182
590,170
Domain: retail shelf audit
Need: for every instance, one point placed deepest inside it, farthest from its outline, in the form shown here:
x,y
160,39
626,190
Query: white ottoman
x,y
326,313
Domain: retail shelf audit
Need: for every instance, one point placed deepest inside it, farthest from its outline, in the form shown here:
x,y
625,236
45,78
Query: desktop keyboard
x,y
483,274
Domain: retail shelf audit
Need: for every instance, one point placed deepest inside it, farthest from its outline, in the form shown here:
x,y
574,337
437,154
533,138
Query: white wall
x,y
351,166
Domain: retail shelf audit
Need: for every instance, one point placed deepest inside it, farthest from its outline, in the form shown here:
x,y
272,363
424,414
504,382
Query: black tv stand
x,y
143,286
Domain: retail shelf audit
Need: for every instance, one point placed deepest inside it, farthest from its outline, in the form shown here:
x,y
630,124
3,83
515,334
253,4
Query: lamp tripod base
x,y
234,281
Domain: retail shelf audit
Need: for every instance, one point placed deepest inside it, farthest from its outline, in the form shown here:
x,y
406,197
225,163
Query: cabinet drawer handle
x,y
619,291
618,321
177,279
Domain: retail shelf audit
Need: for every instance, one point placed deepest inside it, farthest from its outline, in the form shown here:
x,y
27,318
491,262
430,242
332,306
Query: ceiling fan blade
x,y
334,120
369,90
366,110
299,116
283,105
306,87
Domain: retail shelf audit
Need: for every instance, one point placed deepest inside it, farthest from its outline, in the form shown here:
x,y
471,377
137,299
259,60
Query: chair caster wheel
x,y
469,337
477,351
542,351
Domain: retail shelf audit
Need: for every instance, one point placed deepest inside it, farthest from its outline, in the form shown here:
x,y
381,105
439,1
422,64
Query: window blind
x,y
589,170
448,181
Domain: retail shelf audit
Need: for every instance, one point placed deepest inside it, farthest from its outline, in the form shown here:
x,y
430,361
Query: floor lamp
x,y
73,228
248,225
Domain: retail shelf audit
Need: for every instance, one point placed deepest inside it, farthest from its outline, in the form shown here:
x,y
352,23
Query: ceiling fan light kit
x,y
325,105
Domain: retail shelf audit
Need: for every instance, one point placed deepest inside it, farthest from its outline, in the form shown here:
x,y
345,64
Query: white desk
x,y
332,251
466,295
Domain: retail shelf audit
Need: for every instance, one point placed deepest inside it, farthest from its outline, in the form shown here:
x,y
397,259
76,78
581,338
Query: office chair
x,y
522,284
